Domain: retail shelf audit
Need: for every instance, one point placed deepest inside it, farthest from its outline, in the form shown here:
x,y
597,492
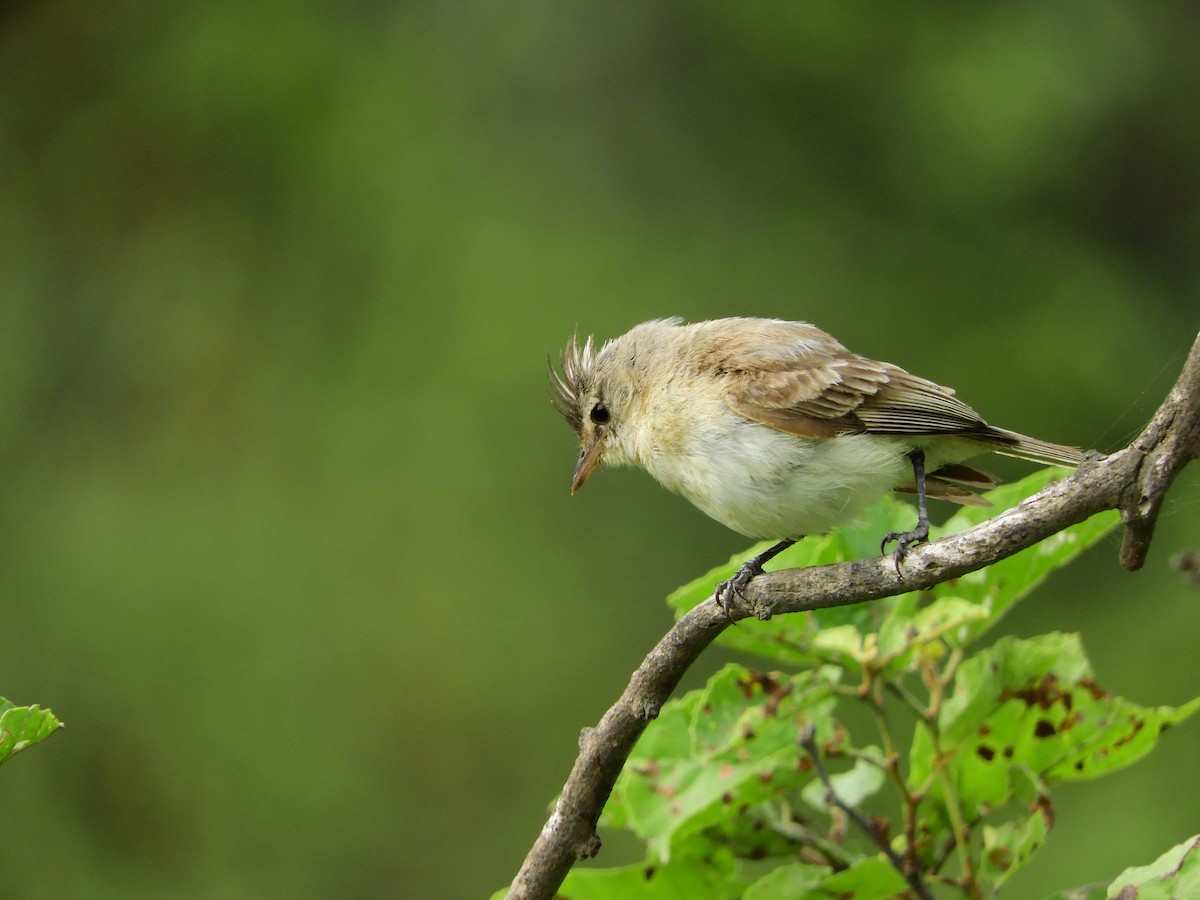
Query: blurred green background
x,y
286,534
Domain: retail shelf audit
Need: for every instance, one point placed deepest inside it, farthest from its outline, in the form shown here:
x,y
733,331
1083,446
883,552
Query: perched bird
x,y
774,429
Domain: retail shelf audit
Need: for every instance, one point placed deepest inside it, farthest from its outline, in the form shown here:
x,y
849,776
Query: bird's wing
x,y
796,378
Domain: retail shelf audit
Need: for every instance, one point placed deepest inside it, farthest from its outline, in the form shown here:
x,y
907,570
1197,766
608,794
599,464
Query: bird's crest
x,y
568,390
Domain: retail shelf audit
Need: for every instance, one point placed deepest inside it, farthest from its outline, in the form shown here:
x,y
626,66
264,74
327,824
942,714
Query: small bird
x,y
775,429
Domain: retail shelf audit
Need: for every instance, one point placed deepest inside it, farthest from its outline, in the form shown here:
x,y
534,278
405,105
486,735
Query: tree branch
x,y
1134,480
1167,444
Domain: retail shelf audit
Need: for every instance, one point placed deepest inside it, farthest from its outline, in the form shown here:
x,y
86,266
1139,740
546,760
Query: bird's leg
x,y
920,534
750,570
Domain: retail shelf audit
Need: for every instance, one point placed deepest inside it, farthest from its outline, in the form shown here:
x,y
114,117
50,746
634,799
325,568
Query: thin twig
x,y
962,834
808,741
907,802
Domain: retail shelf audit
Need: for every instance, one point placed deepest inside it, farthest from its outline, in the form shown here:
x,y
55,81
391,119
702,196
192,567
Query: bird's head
x,y
593,394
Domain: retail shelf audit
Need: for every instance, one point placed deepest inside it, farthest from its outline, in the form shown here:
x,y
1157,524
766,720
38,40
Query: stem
x,y
970,879
809,742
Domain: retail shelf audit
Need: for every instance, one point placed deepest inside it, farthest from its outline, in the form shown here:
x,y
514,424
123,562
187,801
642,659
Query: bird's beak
x,y
589,458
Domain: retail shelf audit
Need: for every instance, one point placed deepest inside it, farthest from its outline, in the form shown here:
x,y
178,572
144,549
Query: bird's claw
x,y
731,587
904,540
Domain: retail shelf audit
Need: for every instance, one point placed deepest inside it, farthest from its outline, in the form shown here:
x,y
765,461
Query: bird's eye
x,y
600,414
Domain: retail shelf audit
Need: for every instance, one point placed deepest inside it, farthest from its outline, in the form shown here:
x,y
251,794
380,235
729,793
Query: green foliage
x,y
21,726
893,754
1174,874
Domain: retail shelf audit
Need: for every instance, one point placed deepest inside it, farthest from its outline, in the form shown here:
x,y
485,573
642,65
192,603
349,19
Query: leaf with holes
x,y
1031,706
719,751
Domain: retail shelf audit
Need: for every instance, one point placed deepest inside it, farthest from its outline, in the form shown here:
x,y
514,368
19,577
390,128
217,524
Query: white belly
x,y
767,484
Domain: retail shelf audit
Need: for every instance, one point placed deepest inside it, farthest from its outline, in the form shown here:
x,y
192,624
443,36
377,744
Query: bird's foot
x,y
750,570
731,587
904,540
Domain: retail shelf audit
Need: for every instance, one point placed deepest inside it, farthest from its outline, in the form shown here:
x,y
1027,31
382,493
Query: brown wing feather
x,y
796,378
908,404
800,380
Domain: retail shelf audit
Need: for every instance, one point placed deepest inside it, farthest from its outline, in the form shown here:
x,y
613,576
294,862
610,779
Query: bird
x,y
774,429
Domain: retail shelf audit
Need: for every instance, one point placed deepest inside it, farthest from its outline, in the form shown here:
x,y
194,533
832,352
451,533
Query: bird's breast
x,y
765,483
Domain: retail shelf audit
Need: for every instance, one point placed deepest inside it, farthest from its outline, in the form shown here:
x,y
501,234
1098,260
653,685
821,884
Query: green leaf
x,y
1173,875
667,737
787,883
925,630
874,878
1032,706
21,726
1001,585
1010,846
763,831
718,751
714,875
852,786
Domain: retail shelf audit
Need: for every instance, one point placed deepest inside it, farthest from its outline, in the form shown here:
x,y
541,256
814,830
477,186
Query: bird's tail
x,y
1011,443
